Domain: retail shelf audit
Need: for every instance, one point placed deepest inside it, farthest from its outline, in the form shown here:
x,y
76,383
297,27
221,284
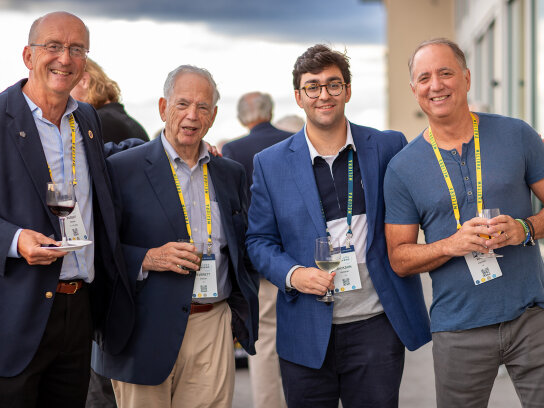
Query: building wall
x,y
408,24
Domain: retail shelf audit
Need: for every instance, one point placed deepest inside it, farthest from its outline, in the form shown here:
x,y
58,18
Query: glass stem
x,y
63,231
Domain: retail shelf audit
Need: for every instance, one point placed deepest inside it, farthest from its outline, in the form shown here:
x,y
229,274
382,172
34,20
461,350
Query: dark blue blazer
x,y
24,306
242,150
285,219
150,215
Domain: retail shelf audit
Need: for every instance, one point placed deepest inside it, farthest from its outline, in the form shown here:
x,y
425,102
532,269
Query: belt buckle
x,y
74,284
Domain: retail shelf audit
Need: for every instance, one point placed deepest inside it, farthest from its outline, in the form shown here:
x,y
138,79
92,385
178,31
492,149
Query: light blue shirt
x,y
57,146
192,185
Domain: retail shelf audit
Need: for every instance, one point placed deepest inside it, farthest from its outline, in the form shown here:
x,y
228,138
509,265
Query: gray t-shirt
x,y
415,192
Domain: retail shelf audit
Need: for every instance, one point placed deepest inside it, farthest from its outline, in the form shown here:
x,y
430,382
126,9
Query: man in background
x,y
255,113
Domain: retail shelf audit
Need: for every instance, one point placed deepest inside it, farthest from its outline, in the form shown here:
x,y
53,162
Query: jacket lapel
x,y
367,155
25,136
160,177
303,174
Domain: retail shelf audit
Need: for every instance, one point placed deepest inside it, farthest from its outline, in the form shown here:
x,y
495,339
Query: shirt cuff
x,y
288,277
142,275
13,253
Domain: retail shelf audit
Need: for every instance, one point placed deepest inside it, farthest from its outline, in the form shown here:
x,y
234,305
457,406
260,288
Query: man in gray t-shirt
x,y
486,310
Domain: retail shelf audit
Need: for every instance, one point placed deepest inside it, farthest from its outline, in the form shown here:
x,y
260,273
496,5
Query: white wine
x,y
328,266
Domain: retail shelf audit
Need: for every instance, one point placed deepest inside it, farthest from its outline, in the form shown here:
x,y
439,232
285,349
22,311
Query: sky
x,y
247,45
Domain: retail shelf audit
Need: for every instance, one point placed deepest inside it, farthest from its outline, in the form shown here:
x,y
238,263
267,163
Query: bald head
x,y
55,17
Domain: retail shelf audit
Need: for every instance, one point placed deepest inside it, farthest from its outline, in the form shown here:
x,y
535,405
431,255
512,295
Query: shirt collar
x,y
349,141
37,112
203,155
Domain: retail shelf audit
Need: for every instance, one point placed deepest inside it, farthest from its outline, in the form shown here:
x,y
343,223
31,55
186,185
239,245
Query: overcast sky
x,y
246,44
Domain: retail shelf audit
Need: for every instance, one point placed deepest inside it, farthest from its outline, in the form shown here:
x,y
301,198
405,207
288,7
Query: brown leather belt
x,y
201,307
69,288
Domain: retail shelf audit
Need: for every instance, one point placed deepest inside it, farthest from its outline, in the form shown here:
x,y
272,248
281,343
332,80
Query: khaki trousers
x,y
466,361
264,367
203,374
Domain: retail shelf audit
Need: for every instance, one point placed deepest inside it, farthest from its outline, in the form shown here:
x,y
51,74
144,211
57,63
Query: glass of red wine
x,y
61,201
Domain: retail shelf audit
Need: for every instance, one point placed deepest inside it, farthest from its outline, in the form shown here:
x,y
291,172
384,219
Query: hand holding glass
x,y
489,213
327,258
61,201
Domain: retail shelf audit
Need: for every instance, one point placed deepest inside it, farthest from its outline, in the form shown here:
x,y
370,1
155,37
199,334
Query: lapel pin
x,y
22,134
91,134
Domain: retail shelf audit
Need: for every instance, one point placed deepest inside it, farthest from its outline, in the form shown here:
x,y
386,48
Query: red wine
x,y
61,210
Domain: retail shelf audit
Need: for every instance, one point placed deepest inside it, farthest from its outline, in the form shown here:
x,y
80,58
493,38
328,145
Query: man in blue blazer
x,y
47,297
181,351
326,180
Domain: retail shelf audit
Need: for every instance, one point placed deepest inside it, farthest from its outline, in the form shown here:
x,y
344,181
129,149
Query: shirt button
x,y
196,229
48,295
454,152
469,193
466,178
462,163
194,203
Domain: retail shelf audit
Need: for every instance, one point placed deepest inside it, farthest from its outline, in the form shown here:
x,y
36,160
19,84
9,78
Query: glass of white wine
x,y
327,258
489,213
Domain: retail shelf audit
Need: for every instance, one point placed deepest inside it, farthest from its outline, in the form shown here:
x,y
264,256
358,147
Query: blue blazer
x,y
150,215
24,307
285,219
243,149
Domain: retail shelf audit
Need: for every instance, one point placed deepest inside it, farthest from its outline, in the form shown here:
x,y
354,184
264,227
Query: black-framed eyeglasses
x,y
313,90
55,48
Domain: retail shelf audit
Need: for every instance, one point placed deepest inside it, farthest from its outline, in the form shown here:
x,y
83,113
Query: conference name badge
x,y
481,268
206,278
75,229
347,274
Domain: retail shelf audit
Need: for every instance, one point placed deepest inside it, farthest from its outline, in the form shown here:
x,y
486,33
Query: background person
x,y
255,113
97,89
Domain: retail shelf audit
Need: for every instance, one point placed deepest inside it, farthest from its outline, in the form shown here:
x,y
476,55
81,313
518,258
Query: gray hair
x,y
457,52
255,106
34,27
184,69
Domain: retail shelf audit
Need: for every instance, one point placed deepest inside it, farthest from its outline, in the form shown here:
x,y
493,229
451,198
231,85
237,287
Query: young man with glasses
x,y
50,299
326,180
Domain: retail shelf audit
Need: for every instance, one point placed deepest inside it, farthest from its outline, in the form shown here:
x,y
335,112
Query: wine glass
x,y
61,202
489,213
327,258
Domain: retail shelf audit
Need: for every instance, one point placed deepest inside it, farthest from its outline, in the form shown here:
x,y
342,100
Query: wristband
x,y
531,241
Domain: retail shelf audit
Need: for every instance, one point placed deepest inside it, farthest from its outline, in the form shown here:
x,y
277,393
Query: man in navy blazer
x,y
181,350
47,296
327,180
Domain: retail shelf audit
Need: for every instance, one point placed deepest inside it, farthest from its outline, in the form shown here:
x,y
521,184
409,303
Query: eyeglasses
x,y
314,90
58,49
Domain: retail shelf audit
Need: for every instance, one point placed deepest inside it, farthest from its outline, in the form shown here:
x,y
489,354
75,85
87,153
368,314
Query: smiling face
x,y
439,83
189,111
52,74
325,112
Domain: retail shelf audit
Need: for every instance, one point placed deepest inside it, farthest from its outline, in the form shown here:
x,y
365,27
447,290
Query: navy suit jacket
x,y
24,306
285,218
242,150
150,215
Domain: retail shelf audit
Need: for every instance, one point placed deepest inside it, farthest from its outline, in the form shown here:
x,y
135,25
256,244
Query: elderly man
x,y
181,351
45,308
327,180
486,311
255,113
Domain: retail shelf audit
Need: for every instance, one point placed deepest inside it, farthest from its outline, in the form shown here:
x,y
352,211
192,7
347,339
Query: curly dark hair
x,y
315,59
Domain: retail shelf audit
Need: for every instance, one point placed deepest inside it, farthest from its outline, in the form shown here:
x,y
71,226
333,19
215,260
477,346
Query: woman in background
x,y
97,89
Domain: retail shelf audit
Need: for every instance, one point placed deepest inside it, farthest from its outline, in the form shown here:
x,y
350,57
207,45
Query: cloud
x,y
343,21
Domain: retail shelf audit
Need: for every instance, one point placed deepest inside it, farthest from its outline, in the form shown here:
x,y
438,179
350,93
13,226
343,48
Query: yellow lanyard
x,y
73,131
206,199
446,175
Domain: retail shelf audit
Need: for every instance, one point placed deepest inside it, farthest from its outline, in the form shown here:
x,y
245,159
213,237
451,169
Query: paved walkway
x,y
417,388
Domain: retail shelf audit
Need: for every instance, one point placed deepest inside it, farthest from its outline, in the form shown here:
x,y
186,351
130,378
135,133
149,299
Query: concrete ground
x,y
417,388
